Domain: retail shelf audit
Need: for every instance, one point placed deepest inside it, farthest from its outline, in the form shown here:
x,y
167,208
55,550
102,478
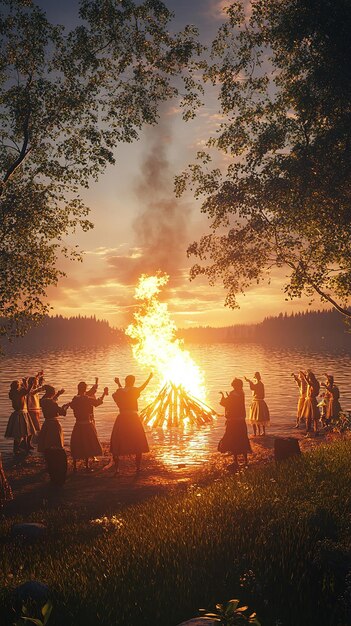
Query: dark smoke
x,y
161,232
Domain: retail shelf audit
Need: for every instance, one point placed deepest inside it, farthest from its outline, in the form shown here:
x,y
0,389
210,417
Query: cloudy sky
x,y
133,205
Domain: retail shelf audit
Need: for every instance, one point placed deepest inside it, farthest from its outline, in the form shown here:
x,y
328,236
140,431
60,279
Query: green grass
x,y
277,538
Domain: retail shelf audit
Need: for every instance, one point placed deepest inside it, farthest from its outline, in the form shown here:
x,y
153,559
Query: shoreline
x,y
98,492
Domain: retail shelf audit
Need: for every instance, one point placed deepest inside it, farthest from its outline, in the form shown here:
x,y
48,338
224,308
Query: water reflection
x,y
220,362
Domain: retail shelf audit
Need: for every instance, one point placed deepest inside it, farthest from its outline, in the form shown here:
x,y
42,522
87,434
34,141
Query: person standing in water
x,y
235,439
128,435
259,413
302,385
84,439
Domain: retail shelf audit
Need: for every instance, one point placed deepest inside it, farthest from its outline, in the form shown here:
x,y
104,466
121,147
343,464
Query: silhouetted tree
x,y
66,100
284,74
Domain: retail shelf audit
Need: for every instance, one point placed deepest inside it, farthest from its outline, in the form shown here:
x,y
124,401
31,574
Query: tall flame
x,y
155,343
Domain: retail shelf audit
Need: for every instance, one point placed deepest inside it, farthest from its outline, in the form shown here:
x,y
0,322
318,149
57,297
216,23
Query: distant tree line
x,y
312,328
67,332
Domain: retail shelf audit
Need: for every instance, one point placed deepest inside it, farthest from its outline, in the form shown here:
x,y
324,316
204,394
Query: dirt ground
x,y
99,492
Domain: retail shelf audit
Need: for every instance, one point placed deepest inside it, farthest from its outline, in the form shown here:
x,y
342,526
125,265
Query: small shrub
x,y
231,614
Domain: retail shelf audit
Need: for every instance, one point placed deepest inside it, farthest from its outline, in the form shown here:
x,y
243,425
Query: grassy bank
x,y
277,538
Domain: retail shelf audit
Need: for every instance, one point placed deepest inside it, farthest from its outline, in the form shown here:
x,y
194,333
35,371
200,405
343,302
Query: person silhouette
x,y
128,435
84,439
235,439
259,413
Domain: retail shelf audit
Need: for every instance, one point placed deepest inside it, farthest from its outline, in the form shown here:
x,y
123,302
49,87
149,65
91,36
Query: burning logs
x,y
174,407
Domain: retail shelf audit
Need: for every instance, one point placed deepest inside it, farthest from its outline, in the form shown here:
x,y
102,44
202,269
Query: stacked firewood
x,y
175,407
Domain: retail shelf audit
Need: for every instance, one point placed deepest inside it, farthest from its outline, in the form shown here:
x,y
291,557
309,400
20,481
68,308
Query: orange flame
x,y
155,344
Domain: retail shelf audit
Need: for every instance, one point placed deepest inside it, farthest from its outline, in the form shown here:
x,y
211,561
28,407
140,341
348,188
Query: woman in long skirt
x,y
35,384
20,425
84,439
51,434
128,435
332,395
235,439
311,411
259,413
302,385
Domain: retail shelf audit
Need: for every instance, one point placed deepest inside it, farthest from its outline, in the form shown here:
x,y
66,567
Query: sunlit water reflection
x,y
220,363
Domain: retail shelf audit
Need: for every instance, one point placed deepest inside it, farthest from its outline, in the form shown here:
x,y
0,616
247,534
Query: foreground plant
x,y
45,614
231,614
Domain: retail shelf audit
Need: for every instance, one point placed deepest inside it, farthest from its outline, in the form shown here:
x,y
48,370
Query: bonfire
x,y
182,398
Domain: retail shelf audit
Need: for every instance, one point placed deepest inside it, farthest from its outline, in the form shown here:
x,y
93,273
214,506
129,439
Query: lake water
x,y
220,364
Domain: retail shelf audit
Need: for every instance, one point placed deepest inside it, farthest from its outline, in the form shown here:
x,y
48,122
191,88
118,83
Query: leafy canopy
x,y
283,72
67,98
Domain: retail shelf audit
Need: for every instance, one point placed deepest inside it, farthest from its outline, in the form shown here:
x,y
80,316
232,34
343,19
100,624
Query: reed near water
x,y
277,538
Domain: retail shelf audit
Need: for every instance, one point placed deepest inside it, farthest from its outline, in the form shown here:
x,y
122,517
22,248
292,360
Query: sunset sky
x,y
133,203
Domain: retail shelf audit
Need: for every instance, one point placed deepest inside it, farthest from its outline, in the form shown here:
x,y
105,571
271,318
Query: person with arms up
x,y
20,425
259,413
84,439
302,385
128,435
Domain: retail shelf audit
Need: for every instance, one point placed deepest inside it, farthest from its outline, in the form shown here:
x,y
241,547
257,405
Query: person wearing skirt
x,y
235,439
259,413
332,395
51,434
302,385
84,439
20,425
128,435
33,403
310,410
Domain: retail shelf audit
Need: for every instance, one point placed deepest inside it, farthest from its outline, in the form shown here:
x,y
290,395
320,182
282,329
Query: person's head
x,y
311,377
237,384
31,381
15,386
129,380
82,387
49,391
257,375
329,379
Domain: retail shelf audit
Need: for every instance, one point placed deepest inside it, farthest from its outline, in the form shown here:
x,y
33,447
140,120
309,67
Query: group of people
x,y
128,435
30,397
235,439
308,407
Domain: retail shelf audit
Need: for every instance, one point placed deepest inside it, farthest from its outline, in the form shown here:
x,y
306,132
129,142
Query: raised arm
x,y
98,401
58,393
142,387
35,390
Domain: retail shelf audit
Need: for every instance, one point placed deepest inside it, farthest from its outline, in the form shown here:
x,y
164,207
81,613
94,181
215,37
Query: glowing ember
x,y
181,399
156,346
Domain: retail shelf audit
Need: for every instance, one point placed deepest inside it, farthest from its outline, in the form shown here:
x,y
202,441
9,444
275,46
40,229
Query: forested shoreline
x,y
323,329
312,328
